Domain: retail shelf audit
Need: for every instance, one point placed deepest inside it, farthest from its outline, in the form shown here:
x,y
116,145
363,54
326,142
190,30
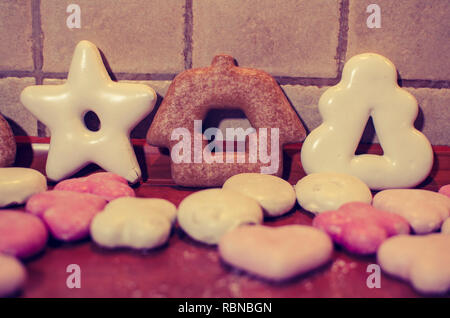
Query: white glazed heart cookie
x,y
424,210
208,214
12,275
325,191
424,260
275,195
18,184
134,222
276,253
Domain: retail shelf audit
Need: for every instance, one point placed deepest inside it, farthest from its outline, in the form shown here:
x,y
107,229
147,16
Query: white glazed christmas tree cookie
x,y
61,108
368,88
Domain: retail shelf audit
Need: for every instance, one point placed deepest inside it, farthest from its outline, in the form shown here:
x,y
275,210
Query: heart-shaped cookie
x,y
275,195
134,222
208,214
21,235
359,227
108,185
276,253
67,214
424,260
424,210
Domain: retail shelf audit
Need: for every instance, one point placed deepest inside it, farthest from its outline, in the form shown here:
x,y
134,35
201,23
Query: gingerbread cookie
x,y
7,144
223,85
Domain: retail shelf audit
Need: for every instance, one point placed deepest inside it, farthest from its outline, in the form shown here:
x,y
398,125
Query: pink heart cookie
x,y
359,227
67,214
424,260
276,253
445,190
108,185
21,235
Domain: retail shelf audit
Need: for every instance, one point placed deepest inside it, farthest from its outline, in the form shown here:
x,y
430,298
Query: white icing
x,y
134,222
61,108
275,195
18,184
421,259
424,210
208,214
369,88
276,253
325,191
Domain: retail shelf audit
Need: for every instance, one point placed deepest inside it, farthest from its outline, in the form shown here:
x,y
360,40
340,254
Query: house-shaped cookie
x,y
224,85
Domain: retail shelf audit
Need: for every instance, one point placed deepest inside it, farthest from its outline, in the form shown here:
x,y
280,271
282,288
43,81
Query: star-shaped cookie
x,y
61,108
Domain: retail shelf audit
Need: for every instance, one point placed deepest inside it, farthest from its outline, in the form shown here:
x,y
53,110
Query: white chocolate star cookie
x,y
62,108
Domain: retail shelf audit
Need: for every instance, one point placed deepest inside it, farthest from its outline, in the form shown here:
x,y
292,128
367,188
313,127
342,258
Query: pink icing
x,y
22,235
67,214
105,184
359,227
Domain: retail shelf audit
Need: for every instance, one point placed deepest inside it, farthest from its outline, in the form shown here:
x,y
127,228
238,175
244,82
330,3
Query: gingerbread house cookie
x,y
223,85
7,144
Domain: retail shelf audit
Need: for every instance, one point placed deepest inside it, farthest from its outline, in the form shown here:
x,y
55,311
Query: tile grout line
x,y
37,39
341,49
119,76
188,30
282,80
38,56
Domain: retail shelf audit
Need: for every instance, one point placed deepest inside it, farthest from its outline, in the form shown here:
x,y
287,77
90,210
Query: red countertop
x,y
185,268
